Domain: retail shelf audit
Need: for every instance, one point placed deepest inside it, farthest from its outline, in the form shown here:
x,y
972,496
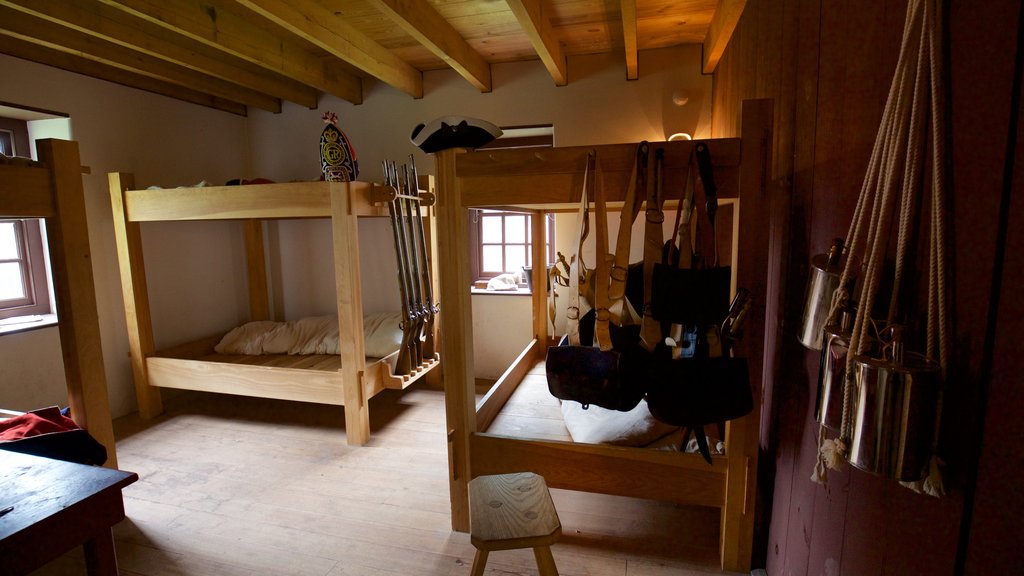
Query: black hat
x,y
454,132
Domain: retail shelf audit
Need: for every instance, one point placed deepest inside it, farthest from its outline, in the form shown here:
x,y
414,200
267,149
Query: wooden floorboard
x,y
234,486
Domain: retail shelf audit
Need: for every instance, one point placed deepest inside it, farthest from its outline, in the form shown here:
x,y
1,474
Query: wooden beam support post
x,y
456,331
136,295
79,323
345,232
741,439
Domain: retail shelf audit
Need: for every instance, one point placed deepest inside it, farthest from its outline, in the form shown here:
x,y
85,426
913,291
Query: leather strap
x,y
630,208
706,253
650,328
577,306
602,333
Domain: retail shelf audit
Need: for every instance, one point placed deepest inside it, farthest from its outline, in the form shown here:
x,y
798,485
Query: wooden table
x,y
58,505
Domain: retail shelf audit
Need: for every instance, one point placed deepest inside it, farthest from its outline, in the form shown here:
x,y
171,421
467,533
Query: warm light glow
x,y
679,136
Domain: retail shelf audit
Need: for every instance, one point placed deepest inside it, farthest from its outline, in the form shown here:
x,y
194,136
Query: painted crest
x,y
337,157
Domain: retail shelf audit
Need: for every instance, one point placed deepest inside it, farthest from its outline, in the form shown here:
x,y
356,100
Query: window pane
x,y
515,258
492,259
8,241
490,229
11,284
515,229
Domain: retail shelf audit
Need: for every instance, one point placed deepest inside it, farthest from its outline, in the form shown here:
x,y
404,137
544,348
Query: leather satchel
x,y
588,364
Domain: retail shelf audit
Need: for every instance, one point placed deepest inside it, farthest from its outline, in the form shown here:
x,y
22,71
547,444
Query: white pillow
x,y
597,425
247,338
381,333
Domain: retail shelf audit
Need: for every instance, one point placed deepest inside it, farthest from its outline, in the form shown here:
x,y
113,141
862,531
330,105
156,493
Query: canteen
x,y
894,421
822,283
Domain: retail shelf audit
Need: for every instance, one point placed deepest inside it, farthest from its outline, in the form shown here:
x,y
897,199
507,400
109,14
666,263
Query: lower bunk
x,y
297,361
658,470
314,378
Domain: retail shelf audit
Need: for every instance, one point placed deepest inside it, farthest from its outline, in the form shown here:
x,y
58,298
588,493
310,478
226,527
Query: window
x,y
24,289
503,242
24,275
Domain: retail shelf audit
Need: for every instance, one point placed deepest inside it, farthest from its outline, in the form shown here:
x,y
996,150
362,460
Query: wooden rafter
x,y
50,57
320,26
430,29
29,27
119,27
723,24
534,19
629,39
211,23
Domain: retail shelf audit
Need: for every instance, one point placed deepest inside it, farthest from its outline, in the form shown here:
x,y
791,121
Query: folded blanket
x,y
312,335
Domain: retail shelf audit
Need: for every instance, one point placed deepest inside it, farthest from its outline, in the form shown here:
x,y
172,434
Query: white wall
x,y
198,287
160,140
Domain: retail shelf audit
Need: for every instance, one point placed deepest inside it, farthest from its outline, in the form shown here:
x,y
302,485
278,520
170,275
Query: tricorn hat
x,y
453,132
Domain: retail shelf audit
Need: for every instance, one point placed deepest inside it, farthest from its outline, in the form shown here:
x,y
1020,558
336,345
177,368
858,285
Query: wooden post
x,y
136,295
742,434
71,265
456,331
345,232
540,275
256,265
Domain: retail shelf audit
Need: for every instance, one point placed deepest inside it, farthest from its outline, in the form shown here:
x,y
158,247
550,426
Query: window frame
x,y
475,228
35,279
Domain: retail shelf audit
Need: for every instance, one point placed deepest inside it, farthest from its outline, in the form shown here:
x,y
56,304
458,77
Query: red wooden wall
x,y
828,64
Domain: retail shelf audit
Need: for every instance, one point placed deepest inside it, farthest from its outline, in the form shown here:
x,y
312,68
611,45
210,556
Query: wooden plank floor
x,y
233,486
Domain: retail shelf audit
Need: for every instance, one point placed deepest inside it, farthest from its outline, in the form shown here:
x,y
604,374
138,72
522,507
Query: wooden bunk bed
x,y
548,180
52,189
349,379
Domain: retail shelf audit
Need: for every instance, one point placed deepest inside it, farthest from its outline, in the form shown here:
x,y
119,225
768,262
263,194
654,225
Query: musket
x,y
431,306
411,214
403,364
415,318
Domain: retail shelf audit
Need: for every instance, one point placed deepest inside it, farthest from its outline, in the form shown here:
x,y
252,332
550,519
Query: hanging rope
x,y
891,184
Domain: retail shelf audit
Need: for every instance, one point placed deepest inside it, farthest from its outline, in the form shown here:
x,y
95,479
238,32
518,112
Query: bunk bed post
x,y
737,528
539,258
71,264
345,233
256,264
136,295
456,332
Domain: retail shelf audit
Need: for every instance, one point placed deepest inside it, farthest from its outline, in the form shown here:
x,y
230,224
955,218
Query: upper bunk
x,y
52,189
252,201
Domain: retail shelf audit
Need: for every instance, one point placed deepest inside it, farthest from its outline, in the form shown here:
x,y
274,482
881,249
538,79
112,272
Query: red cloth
x,y
34,423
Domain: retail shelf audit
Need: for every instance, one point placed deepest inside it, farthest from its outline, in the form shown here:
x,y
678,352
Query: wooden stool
x,y
509,511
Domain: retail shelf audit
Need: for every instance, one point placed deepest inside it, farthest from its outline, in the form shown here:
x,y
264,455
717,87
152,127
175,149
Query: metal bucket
x,y
895,415
833,370
821,285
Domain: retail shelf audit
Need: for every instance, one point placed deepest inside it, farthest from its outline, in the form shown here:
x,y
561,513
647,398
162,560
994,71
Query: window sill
x,y
26,323
518,292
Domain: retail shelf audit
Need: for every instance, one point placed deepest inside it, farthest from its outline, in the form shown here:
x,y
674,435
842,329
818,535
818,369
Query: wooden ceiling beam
x,y
326,29
421,21
26,50
534,19
216,24
723,24
120,27
29,27
629,38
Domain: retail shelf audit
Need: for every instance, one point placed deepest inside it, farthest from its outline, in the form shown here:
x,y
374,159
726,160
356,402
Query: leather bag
x,y
587,365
